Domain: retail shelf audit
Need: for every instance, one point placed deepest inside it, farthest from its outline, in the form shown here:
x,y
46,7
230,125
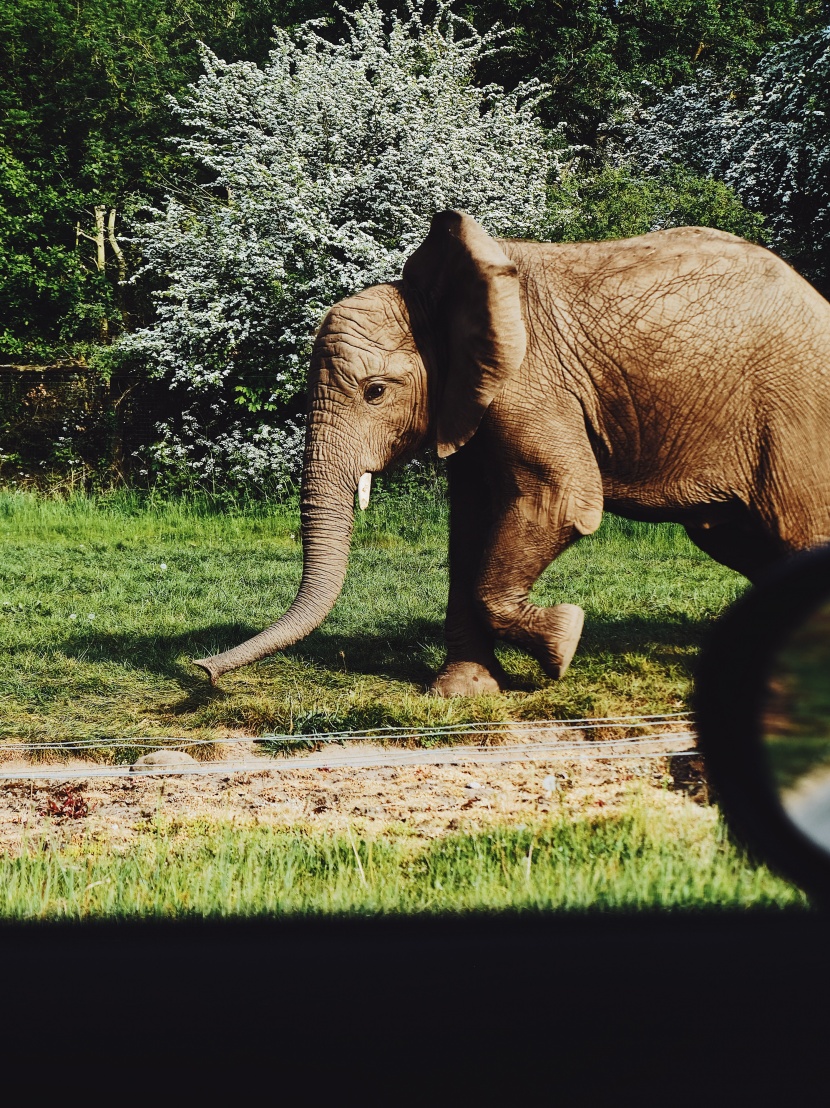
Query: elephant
x,y
682,375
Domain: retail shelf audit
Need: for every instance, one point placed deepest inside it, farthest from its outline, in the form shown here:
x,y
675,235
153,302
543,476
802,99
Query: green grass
x,y
648,595
644,858
96,635
798,731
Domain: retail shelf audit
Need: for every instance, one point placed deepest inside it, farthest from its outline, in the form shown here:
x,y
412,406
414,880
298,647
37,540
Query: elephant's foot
x,y
468,679
555,637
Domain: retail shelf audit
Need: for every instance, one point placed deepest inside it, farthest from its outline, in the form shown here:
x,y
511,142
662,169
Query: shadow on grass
x,y
162,654
399,653
396,653
657,636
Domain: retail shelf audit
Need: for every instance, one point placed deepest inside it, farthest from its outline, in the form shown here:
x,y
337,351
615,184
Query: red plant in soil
x,y
67,803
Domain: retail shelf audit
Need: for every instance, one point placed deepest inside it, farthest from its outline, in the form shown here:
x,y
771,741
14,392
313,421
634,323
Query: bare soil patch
x,y
423,800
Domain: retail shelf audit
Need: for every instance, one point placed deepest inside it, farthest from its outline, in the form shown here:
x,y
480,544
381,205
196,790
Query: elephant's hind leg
x,y
746,548
795,520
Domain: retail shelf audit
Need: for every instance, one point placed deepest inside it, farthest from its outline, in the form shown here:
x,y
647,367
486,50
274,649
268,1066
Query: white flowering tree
x,y
769,139
324,169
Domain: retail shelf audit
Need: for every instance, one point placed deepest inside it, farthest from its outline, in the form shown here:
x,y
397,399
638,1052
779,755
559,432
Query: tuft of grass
x,y
104,601
642,858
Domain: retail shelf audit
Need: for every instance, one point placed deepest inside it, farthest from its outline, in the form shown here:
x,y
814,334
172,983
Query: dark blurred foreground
x,y
602,1009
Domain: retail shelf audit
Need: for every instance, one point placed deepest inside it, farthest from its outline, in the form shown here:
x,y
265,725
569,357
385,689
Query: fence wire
x,y
389,754
413,731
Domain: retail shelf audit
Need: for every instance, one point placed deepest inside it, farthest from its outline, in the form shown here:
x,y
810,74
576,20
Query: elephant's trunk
x,y
327,508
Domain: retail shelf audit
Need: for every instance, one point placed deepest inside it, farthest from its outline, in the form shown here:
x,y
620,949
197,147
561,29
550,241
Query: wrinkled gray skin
x,y
683,375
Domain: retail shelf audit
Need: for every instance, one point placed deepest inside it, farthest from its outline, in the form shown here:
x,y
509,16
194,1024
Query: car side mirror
x,y
762,701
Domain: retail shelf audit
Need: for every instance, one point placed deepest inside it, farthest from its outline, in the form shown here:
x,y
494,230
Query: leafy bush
x,y
323,169
596,52
767,138
48,299
616,203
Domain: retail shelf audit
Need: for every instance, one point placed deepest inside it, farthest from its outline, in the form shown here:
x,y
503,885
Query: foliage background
x,y
323,169
660,112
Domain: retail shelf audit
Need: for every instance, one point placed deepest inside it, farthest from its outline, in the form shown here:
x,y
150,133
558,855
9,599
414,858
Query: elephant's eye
x,y
374,392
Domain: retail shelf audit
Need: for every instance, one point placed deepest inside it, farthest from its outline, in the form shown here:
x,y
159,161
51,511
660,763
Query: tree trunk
x,y
100,258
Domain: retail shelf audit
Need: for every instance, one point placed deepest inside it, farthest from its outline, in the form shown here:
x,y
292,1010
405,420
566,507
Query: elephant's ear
x,y
470,290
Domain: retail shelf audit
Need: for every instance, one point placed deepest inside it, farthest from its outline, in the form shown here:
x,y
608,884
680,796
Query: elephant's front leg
x,y
533,530
471,667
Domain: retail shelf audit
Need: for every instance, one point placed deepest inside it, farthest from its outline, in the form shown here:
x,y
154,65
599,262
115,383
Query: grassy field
x,y
677,858
103,602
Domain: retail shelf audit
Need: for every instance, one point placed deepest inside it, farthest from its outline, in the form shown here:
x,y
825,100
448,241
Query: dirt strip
x,y
423,792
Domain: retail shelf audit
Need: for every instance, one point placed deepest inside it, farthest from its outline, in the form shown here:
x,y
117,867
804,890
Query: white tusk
x,y
364,487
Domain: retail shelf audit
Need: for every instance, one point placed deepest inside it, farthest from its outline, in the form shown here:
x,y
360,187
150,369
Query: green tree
x,y
767,137
85,118
594,51
84,126
616,203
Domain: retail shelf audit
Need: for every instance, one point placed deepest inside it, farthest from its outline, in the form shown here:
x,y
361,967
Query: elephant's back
x,y
670,254
690,347
677,284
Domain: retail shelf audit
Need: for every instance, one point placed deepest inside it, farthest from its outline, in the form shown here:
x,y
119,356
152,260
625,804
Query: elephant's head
x,y
394,367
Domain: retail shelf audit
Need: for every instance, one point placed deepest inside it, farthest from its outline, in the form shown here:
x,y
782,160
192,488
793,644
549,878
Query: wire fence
x,y
550,739
483,730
